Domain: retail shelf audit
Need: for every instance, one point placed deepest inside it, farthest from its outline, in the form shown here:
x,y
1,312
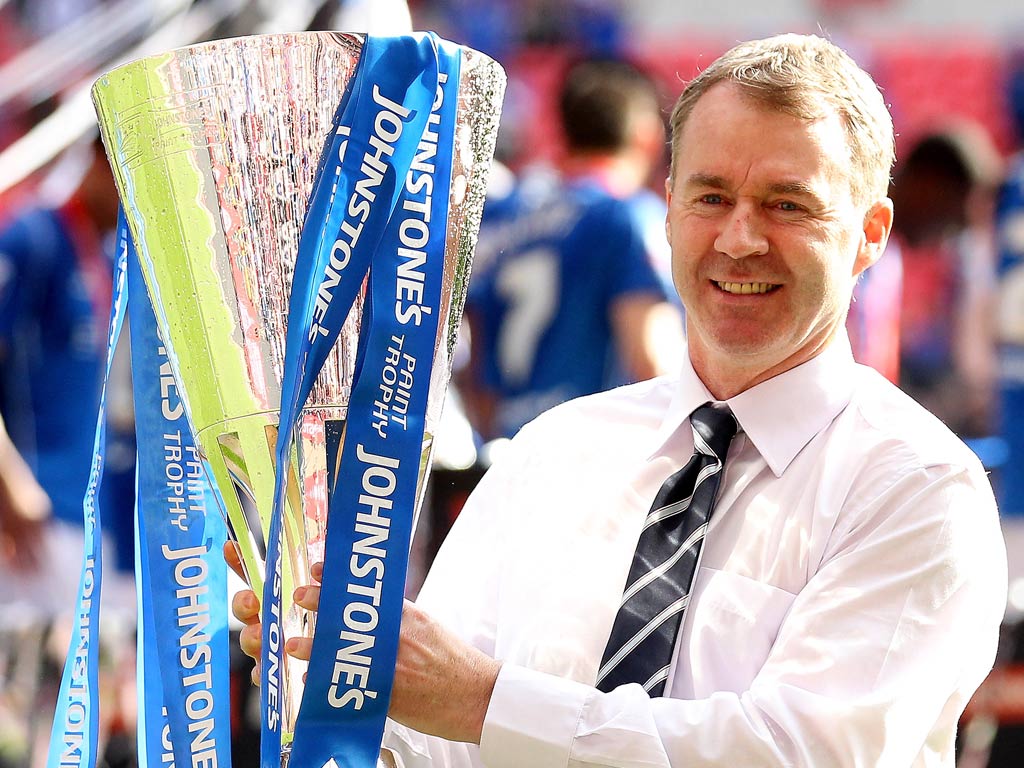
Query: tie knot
x,y
716,426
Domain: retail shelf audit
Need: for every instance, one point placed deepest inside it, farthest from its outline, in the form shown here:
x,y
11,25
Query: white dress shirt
x,y
847,603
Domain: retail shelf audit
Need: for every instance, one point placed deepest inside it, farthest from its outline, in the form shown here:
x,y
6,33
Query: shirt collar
x,y
780,415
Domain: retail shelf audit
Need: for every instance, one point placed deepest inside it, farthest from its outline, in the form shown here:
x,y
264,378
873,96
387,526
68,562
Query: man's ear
x,y
875,235
668,205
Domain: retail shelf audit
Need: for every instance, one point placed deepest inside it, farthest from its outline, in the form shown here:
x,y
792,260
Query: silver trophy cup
x,y
214,150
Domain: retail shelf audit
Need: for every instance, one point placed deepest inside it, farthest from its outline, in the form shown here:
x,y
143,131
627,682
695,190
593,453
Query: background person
x,y
55,295
944,193
1010,312
566,297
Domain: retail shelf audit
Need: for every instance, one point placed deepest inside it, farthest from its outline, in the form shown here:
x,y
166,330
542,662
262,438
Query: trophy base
x,y
385,760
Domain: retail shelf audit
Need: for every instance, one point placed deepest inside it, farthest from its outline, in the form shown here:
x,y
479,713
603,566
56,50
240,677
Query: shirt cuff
x,y
531,719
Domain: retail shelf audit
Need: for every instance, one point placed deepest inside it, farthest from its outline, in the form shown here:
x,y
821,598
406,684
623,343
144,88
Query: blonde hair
x,y
806,76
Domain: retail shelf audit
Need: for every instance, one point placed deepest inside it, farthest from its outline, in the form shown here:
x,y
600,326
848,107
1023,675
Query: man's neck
x,y
616,172
726,378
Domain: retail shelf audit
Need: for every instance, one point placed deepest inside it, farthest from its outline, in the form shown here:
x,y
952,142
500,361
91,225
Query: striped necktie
x,y
657,591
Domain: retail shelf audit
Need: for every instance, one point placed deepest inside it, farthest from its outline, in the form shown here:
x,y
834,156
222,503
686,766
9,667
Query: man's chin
x,y
747,347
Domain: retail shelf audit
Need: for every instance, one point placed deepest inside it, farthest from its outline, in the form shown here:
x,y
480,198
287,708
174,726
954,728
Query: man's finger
x,y
246,607
250,640
308,597
299,647
233,557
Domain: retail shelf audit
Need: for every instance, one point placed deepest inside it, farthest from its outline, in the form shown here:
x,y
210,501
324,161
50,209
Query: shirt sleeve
x,y
628,266
887,641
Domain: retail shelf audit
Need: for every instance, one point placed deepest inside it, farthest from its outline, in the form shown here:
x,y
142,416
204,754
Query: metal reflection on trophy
x,y
215,150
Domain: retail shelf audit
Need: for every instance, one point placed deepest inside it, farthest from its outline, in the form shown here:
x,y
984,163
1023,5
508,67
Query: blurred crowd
x,y
571,293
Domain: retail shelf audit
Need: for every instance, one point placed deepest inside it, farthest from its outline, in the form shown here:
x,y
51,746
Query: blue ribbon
x,y
390,124
73,738
149,690
182,576
371,514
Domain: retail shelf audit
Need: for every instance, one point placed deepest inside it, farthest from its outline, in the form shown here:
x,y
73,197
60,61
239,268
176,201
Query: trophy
x,y
215,151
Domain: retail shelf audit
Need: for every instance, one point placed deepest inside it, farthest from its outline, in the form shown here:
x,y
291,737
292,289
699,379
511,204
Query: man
x,y
566,298
55,294
944,191
852,578
1010,315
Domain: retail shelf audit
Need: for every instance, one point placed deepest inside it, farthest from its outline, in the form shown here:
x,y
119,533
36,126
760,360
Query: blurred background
x,y
942,314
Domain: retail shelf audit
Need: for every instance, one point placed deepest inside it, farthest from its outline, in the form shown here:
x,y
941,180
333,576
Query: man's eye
x,y
788,206
711,199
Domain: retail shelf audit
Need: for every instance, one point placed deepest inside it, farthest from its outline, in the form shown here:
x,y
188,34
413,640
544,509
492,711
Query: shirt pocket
x,y
730,627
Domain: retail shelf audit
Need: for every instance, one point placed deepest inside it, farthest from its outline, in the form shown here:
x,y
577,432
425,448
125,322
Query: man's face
x,y
766,238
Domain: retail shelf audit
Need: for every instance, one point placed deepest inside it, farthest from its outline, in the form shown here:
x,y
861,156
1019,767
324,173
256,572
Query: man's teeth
x,y
745,287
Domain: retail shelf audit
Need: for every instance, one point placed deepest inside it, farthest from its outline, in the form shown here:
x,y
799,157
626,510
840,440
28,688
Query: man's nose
x,y
743,233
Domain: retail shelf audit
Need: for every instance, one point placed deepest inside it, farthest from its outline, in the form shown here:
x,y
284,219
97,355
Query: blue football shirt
x,y
52,345
551,261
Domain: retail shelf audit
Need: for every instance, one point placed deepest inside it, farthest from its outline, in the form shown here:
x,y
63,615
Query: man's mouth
x,y
746,288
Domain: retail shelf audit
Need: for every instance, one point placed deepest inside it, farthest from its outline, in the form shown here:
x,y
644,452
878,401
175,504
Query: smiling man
x,y
822,582
771,223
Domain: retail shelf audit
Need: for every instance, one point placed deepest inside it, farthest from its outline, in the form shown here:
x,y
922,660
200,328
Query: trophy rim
x,y
352,38
211,46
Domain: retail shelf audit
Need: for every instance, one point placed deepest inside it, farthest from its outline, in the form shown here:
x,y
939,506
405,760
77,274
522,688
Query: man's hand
x,y
246,608
442,685
24,509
